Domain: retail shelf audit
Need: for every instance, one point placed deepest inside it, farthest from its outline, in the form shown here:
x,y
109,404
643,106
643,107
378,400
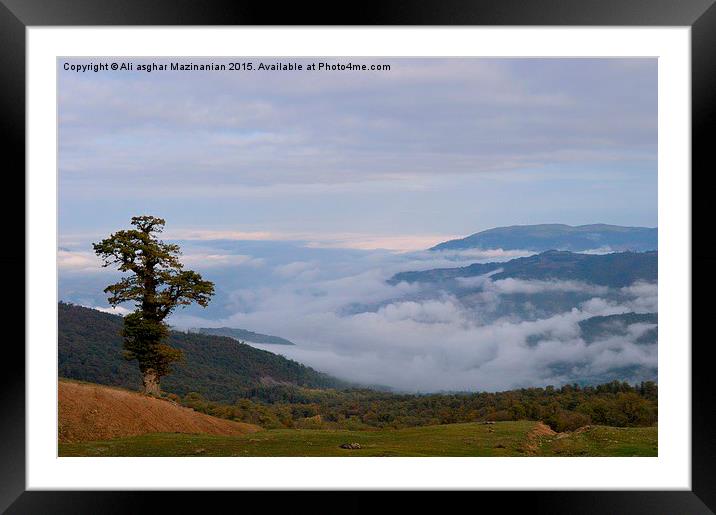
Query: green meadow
x,y
520,438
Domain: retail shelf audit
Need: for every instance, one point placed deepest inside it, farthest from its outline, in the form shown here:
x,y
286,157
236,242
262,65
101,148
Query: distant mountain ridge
x,y
243,335
542,237
614,270
219,368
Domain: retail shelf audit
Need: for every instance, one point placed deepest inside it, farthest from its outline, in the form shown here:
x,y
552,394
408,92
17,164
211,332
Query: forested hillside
x,y
219,368
564,409
614,270
243,335
596,328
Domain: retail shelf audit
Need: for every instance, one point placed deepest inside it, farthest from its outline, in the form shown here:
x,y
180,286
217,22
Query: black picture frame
x,y
700,15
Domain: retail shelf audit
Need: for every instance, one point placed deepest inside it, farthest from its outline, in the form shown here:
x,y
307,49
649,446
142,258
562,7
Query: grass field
x,y
605,441
522,438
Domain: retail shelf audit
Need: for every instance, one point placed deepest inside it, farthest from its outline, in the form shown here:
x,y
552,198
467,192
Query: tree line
x,y
564,409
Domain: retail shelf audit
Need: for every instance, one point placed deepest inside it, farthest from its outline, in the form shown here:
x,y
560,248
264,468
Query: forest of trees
x,y
564,409
220,368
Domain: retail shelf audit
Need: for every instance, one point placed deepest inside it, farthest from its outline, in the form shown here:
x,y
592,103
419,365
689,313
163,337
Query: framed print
x,y
437,249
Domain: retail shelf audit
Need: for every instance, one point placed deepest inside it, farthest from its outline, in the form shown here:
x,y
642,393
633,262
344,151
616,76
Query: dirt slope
x,y
94,412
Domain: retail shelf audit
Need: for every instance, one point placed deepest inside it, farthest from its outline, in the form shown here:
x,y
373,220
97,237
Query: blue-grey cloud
x,y
406,336
342,151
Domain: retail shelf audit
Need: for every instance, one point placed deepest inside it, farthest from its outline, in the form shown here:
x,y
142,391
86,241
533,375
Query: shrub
x,y
499,416
567,421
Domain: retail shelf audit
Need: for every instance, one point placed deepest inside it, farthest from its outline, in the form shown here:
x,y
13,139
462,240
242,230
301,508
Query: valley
x,y
582,327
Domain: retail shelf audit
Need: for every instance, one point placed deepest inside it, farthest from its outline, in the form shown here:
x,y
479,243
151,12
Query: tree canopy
x,y
157,284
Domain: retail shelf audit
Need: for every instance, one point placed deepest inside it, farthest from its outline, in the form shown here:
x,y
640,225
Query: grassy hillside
x,y
521,438
220,368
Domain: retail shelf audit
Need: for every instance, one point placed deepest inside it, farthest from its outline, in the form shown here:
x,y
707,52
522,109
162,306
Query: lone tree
x,y
157,284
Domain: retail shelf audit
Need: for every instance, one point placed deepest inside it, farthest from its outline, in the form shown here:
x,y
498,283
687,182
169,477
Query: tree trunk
x,y
151,382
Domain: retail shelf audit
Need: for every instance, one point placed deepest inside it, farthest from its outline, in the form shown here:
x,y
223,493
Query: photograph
x,y
358,257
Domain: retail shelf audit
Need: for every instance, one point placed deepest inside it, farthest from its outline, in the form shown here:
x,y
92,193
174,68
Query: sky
x,y
432,148
300,193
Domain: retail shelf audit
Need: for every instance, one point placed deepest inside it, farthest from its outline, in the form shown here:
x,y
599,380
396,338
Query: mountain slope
x,y
539,238
600,327
613,270
90,412
244,335
219,368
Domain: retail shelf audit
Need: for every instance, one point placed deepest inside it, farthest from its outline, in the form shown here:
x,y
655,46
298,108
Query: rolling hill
x,y
92,412
614,270
539,238
217,367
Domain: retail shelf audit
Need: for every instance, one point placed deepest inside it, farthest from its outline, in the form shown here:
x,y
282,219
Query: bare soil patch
x,y
89,412
539,430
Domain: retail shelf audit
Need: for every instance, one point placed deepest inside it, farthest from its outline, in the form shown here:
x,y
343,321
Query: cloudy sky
x,y
433,147
300,193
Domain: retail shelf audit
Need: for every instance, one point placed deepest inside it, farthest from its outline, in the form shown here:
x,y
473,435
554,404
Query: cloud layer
x,y
348,321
